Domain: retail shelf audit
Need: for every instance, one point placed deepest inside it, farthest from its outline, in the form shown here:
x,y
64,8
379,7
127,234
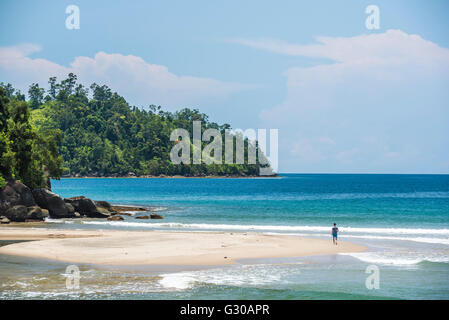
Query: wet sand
x,y
110,247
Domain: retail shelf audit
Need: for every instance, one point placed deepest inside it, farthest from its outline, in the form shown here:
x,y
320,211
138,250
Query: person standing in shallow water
x,y
335,234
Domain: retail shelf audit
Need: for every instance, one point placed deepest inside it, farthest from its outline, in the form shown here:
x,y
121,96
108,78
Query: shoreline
x,y
124,248
175,177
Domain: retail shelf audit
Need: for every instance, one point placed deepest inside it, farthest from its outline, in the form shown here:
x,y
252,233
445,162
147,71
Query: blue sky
x,y
357,100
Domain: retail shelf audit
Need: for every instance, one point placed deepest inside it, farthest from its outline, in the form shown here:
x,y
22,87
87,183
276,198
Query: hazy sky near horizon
x,y
344,98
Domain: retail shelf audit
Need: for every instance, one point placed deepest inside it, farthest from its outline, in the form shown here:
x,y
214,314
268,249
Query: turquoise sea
x,y
402,219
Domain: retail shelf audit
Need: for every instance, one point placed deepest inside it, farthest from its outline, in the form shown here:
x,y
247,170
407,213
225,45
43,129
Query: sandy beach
x,y
161,248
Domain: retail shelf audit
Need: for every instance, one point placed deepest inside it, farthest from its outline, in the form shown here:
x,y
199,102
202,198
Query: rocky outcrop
x,y
116,218
69,207
126,209
4,220
105,205
17,213
18,203
87,207
4,205
81,204
15,193
52,202
151,216
36,213
104,211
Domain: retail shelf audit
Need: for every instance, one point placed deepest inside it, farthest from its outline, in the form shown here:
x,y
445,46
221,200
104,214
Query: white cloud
x,y
401,48
16,66
383,100
138,81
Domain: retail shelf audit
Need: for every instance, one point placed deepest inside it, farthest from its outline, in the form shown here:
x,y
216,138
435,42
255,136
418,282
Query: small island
x,y
74,131
65,132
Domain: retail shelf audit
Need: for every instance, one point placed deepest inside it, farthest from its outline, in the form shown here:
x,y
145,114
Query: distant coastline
x,y
174,177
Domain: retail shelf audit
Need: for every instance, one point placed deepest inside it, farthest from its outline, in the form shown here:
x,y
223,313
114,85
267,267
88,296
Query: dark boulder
x,y
124,213
156,216
125,209
143,217
15,193
105,211
82,204
36,213
87,207
116,218
17,213
4,205
52,202
69,207
105,205
4,220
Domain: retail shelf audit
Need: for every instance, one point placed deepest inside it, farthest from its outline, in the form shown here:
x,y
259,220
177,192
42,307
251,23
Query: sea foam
x,y
397,258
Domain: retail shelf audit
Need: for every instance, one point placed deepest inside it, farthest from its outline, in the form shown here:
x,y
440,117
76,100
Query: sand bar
x,y
111,247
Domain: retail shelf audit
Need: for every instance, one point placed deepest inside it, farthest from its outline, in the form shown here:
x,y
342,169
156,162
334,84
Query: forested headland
x,y
71,130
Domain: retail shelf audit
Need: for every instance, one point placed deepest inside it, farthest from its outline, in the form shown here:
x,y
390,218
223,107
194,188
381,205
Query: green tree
x,y
102,134
22,136
5,145
53,90
9,89
36,95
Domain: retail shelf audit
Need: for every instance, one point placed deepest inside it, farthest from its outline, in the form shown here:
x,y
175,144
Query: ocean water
x,y
402,219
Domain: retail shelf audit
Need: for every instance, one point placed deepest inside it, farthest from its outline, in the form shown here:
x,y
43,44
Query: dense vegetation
x,y
27,153
96,132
